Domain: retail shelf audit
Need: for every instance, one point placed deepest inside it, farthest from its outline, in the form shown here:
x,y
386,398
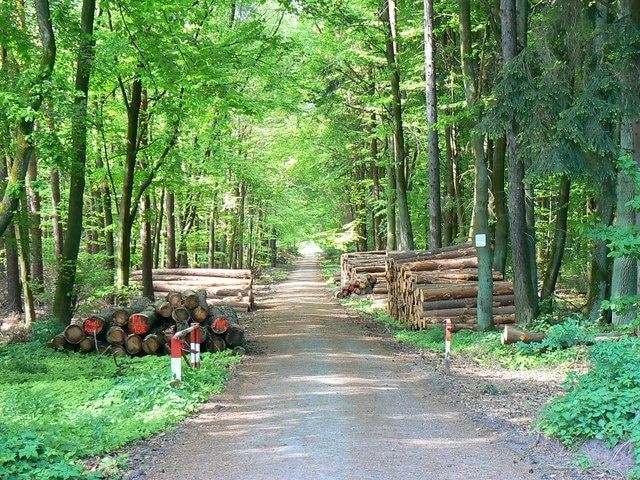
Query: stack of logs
x,y
427,287
223,286
146,328
364,273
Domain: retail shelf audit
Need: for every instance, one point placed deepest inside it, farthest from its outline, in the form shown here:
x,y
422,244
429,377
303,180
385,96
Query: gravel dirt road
x,y
322,396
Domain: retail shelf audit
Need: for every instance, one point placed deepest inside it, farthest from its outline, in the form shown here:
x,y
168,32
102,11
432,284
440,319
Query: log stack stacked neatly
x,y
233,287
427,287
146,328
364,273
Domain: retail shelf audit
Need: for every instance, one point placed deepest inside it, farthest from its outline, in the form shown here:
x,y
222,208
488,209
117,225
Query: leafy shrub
x,y
602,403
61,407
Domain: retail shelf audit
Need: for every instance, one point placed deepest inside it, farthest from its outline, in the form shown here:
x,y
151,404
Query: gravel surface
x,y
323,393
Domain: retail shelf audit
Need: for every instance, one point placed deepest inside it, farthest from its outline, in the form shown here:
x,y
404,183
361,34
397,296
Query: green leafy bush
x,y
602,403
61,407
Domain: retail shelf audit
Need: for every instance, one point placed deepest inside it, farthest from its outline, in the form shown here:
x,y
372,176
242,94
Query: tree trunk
x,y
14,295
481,202
22,235
501,228
625,269
525,290
24,141
127,207
64,298
435,209
171,230
559,240
35,208
405,232
147,250
392,242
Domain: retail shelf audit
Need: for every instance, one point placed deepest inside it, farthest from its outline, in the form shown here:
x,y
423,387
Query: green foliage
x,y
602,403
61,407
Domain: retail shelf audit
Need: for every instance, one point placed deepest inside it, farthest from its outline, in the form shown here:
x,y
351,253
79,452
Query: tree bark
x,y
559,240
147,250
525,290
435,208
501,228
404,231
24,142
625,269
171,230
35,209
64,298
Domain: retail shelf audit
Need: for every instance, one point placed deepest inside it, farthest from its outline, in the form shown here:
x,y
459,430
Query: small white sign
x,y
481,240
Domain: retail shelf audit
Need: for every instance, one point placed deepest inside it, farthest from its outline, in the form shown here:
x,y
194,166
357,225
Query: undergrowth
x,y
600,403
60,407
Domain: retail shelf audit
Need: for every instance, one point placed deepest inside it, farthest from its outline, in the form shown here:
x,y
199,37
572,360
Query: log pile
x,y
233,287
427,287
146,327
364,273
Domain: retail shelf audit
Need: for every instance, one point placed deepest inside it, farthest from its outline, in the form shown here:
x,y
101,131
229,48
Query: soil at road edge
x,y
323,393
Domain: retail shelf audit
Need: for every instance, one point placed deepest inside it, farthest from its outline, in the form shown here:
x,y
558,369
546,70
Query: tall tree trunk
x,y
600,266
481,203
559,240
392,243
405,232
213,216
58,230
24,142
525,291
105,208
625,269
147,249
22,235
14,290
157,237
35,223
376,217
64,299
450,222
171,230
127,207
501,228
435,208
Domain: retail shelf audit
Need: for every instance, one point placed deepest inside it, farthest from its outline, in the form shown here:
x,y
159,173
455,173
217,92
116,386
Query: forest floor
x,y
323,393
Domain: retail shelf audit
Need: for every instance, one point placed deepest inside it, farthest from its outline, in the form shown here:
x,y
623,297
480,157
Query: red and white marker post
x,y
447,345
177,346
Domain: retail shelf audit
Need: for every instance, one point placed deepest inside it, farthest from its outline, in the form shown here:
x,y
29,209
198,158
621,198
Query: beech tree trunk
x,y
64,300
24,142
435,208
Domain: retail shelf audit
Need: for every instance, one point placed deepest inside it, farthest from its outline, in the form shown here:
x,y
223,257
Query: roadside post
x,y
447,346
177,347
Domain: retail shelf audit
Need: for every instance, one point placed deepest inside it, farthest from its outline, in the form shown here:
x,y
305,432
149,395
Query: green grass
x,y
60,407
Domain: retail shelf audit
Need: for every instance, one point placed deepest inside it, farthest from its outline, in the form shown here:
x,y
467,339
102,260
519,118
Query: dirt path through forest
x,y
317,398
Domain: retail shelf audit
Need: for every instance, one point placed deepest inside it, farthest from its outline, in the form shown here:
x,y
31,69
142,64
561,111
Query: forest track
x,y
324,394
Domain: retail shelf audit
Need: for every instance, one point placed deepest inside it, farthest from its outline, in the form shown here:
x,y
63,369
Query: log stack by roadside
x,y
364,273
427,287
146,327
232,287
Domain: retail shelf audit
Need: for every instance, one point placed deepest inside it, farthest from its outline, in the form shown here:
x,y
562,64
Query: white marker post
x,y
177,346
447,346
